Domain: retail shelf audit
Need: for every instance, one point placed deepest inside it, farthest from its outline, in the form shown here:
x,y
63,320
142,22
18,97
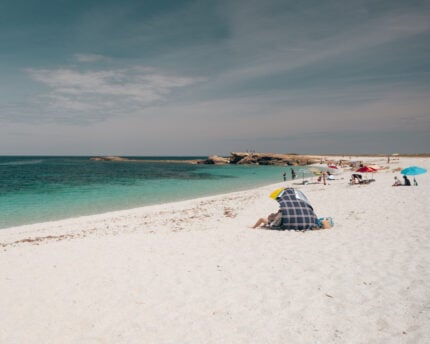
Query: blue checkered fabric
x,y
296,213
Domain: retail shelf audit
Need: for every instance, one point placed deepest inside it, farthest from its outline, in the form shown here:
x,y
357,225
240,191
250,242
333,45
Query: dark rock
x,y
216,160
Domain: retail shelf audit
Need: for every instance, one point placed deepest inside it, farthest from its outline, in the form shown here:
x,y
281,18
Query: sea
x,y
44,188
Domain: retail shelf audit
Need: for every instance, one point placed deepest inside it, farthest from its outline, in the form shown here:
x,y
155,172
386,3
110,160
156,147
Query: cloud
x,y
272,69
268,43
96,95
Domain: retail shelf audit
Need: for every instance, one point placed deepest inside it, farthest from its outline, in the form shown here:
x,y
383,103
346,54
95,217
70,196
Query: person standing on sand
x,y
324,177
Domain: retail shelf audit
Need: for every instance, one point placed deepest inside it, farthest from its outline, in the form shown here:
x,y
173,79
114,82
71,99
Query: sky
x,y
158,77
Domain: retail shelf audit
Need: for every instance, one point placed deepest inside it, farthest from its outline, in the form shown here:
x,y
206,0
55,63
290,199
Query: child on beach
x,y
397,182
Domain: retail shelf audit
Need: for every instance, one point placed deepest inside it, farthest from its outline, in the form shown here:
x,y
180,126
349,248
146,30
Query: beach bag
x,y
325,222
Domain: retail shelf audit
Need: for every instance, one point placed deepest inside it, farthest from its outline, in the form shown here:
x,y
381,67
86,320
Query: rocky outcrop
x,y
271,159
241,158
245,158
216,160
109,158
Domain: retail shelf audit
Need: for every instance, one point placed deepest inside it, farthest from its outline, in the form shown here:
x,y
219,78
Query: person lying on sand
x,y
271,221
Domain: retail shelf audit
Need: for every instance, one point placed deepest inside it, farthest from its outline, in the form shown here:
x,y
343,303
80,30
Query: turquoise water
x,y
38,189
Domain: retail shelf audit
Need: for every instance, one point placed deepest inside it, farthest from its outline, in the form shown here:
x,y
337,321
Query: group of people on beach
x,y
325,175
293,175
406,181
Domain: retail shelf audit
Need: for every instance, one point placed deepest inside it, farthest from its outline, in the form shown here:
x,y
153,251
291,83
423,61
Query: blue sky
x,y
211,77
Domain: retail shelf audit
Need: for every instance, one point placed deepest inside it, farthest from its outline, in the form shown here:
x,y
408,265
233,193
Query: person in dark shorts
x,y
407,181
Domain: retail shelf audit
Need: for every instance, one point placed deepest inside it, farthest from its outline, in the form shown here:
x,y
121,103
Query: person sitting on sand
x,y
274,219
397,182
356,178
407,181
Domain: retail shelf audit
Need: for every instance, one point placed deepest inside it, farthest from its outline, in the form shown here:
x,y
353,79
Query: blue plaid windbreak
x,y
296,212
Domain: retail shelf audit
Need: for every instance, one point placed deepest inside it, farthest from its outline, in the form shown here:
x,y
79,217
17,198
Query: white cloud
x,y
99,94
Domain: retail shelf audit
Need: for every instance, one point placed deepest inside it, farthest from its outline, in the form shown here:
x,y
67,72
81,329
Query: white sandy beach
x,y
194,272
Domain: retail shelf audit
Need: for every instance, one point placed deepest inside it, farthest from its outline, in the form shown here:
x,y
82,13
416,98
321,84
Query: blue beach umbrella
x,y
413,171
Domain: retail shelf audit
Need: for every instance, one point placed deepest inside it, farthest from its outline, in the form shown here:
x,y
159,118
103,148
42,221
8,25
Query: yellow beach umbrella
x,y
276,193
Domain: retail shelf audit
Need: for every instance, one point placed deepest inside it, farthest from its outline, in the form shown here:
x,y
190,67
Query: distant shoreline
x,y
199,157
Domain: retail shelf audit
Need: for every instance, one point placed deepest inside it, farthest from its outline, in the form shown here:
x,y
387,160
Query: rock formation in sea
x,y
242,158
215,160
109,158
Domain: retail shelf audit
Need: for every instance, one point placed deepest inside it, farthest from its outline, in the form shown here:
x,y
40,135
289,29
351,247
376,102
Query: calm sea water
x,y
38,189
